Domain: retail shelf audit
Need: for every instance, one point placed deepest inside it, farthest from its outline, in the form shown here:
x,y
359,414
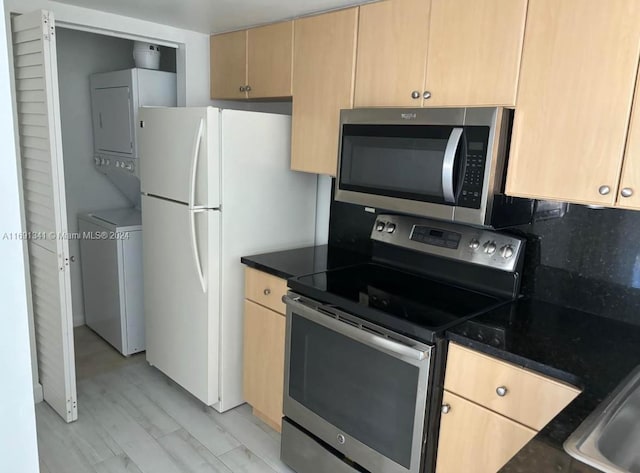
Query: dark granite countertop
x,y
300,261
585,350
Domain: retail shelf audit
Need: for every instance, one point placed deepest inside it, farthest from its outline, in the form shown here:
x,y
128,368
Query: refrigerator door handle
x,y
195,250
194,166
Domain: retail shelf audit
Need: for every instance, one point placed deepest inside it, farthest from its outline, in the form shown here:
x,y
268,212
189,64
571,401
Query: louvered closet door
x,y
36,82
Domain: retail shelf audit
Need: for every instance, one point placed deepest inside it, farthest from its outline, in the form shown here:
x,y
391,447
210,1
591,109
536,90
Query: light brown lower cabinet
x,y
475,439
264,332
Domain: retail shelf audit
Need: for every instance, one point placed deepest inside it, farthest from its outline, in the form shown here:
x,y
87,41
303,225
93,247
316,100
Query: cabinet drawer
x,y
475,439
265,289
528,398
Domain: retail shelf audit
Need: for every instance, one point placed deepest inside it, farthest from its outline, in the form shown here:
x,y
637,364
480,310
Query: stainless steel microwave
x,y
444,163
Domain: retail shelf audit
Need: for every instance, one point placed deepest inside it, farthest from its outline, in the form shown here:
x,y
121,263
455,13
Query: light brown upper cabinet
x,y
269,60
439,52
629,190
474,52
228,65
254,63
577,79
323,69
392,52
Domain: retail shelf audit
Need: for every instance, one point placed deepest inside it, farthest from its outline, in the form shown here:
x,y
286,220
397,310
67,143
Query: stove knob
x,y
474,244
391,228
506,251
490,247
379,226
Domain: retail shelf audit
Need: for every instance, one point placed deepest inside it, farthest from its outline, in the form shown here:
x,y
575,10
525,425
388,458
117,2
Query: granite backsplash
x,y
587,260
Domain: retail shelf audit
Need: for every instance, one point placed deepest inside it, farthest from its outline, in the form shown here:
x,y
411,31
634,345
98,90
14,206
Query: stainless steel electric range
x,y
365,352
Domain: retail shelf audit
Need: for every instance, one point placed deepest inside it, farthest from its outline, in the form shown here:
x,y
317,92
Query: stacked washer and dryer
x,y
111,244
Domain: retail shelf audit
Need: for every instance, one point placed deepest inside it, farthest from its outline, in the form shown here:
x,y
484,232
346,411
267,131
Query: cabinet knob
x,y
604,190
243,88
626,192
426,95
502,391
446,408
267,292
415,94
248,88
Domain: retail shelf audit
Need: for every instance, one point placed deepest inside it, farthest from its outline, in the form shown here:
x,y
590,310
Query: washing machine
x,y
111,262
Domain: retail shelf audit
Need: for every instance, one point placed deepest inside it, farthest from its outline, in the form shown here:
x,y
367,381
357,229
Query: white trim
x,y
117,34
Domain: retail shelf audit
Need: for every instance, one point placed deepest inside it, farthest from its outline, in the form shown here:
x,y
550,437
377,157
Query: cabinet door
x,y
264,332
269,60
112,116
531,399
229,65
323,70
473,438
392,53
577,78
474,52
629,191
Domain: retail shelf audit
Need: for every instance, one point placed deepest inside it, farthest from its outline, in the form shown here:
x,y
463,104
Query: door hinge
x,y
48,28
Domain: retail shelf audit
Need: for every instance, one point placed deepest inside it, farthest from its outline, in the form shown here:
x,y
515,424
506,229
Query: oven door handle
x,y
387,345
448,164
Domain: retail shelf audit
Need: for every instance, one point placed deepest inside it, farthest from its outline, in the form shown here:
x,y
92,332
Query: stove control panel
x,y
460,242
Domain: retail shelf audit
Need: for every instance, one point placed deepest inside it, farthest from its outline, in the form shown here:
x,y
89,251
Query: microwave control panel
x,y
477,139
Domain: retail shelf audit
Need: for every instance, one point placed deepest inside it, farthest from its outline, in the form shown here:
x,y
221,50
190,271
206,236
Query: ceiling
x,y
212,16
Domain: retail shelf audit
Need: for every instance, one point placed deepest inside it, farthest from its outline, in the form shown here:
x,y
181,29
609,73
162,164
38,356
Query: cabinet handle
x,y
248,88
426,95
626,192
446,408
267,292
243,88
502,391
100,118
604,190
415,94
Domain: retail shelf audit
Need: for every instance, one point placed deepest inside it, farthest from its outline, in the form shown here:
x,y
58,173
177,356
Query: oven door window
x,y
363,392
404,161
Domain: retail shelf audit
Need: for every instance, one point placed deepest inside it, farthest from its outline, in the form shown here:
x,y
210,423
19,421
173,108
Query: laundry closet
x,y
77,100
100,91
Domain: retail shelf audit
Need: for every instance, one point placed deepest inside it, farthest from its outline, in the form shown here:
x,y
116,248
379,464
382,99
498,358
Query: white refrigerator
x,y
216,185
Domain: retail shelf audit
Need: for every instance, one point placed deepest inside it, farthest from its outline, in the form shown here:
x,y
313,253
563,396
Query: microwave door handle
x,y
449,163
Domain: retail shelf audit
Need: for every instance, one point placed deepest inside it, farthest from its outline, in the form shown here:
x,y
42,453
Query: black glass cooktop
x,y
408,303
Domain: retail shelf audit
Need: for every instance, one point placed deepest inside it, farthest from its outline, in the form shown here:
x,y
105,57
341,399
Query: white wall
x,y
323,207
18,447
81,54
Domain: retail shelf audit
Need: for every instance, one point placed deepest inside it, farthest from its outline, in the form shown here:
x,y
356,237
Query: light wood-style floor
x,y
132,418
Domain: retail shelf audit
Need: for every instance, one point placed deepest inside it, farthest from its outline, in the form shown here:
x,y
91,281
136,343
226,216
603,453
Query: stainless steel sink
x,y
609,439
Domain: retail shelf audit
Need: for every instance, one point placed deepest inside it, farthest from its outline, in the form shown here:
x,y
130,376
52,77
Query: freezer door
x,y
180,155
181,294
